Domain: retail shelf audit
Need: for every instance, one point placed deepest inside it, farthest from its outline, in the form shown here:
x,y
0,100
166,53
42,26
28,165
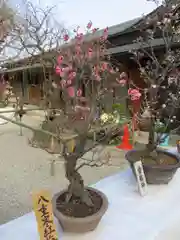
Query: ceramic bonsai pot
x,y
155,173
84,224
144,124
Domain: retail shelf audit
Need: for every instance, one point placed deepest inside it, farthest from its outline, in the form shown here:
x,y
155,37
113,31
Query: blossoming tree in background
x,y
8,25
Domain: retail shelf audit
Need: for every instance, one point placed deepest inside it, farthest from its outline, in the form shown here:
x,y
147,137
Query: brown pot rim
x,y
162,167
98,214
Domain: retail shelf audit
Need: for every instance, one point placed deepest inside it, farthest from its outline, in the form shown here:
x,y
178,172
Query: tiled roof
x,y
119,28
113,30
123,27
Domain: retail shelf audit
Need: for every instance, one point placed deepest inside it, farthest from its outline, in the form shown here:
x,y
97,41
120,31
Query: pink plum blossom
x,y
71,92
66,37
97,77
62,73
122,82
69,82
71,75
66,69
111,70
89,25
123,75
60,59
58,70
90,52
94,30
79,92
105,34
134,94
104,66
79,36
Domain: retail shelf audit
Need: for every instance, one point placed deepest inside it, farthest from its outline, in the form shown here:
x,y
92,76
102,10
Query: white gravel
x,y
24,169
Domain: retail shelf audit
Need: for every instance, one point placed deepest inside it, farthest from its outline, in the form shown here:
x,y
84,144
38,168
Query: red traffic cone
x,y
125,145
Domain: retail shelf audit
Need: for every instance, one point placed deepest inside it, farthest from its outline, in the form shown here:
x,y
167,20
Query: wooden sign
x,y
178,146
43,210
141,179
71,145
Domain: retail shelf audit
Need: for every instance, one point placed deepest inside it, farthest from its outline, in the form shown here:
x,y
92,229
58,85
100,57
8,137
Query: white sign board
x,y
141,179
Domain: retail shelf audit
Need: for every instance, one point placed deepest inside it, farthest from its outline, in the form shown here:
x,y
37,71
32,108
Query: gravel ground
x,y
24,169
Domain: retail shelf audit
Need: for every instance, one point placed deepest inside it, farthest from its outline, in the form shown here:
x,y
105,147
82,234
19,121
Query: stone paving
x,y
24,169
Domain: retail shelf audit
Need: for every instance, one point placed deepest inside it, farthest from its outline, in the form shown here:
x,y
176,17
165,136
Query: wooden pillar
x,y
22,83
25,85
41,83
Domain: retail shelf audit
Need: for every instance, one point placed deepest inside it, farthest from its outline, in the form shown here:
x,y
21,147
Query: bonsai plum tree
x,y
86,77
160,71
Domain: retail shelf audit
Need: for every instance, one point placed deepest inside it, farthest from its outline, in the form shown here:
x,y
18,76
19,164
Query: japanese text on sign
x,y
43,211
141,179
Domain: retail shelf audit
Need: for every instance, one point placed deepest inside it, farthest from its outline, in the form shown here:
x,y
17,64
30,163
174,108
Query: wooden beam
x,y
155,43
36,65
